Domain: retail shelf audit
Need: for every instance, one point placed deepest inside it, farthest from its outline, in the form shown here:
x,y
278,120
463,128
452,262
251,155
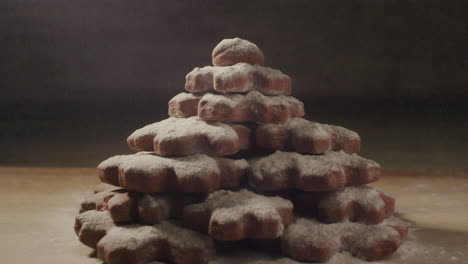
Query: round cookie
x,y
232,51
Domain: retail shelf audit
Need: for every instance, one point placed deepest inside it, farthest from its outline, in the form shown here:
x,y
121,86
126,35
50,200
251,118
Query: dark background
x,y
77,77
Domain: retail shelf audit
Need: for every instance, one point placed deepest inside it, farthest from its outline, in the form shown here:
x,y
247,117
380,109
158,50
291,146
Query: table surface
x,y
39,205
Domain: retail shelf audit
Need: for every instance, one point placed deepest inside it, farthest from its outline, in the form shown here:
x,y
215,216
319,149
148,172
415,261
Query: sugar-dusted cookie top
x,y
147,172
185,136
135,244
238,78
353,203
228,215
309,240
331,171
232,51
301,135
253,107
91,226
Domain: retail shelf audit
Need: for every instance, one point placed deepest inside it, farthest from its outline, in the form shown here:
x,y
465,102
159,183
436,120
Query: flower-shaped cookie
x,y
331,171
310,240
185,136
239,78
128,207
227,215
301,135
135,244
149,173
252,106
353,203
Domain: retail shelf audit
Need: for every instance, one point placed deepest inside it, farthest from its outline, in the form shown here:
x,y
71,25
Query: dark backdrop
x,y
78,76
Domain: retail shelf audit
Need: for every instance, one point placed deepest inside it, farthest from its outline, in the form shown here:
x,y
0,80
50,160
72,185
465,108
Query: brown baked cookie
x,y
97,200
232,51
185,136
227,215
353,203
301,135
310,240
149,173
253,107
238,78
126,207
91,226
331,171
184,105
135,244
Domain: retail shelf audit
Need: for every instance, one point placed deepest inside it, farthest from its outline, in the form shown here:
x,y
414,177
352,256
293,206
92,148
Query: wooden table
x,y
39,205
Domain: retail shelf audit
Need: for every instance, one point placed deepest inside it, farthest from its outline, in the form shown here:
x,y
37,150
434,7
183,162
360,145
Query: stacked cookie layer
x,y
237,161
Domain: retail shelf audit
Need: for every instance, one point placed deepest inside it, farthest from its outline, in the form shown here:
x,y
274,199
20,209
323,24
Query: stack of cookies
x,y
236,162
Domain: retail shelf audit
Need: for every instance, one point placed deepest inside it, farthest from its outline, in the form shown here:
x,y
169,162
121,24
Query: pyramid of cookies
x,y
236,161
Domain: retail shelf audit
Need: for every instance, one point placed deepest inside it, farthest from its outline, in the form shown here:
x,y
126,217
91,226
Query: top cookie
x,y
232,51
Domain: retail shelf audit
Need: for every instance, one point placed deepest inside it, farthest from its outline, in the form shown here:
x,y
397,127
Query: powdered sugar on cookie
x,y
253,107
331,171
310,240
232,51
241,214
185,136
146,172
239,78
301,135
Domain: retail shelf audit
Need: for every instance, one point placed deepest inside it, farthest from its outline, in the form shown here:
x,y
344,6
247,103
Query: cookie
x,y
238,78
301,135
232,51
97,200
227,215
91,226
149,173
250,107
184,105
331,171
135,244
185,136
312,241
127,207
353,203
